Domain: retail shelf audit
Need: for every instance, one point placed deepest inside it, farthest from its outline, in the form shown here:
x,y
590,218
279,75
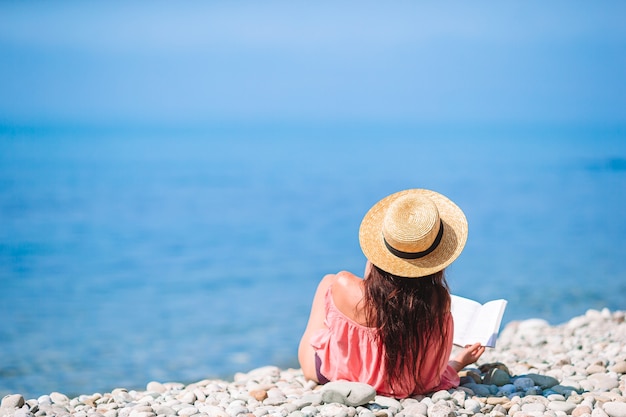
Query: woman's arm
x,y
467,356
306,353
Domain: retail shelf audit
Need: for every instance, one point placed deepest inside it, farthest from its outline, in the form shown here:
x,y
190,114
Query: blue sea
x,y
130,254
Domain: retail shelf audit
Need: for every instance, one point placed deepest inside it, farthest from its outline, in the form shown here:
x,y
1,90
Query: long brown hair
x,y
406,312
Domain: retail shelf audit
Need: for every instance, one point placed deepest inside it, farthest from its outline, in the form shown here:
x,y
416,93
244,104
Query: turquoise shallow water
x,y
130,255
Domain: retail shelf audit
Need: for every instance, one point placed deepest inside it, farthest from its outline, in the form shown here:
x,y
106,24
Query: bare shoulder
x,y
347,281
344,283
348,293
321,290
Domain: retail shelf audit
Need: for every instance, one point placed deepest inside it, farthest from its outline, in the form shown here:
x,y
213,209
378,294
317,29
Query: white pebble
x,y
615,408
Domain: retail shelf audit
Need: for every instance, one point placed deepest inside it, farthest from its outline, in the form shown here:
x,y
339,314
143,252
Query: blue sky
x,y
416,62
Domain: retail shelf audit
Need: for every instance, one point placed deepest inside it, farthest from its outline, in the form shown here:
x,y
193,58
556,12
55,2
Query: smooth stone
x,y
235,403
488,367
464,380
373,407
586,385
570,383
595,369
200,396
543,381
564,390
164,410
348,393
187,411
615,409
258,394
440,410
333,410
427,401
603,382
309,410
170,386
497,400
233,410
275,400
598,412
472,405
139,414
470,376
90,400
58,398
619,367
387,402
576,399
12,401
533,407
442,395
187,397
214,411
576,322
458,396
148,398
479,389
142,409
299,403
581,410
275,393
121,396
44,399
507,389
20,412
154,386
564,406
415,409
314,398
523,383
497,377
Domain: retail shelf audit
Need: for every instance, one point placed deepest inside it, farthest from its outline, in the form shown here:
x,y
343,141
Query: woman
x,y
393,329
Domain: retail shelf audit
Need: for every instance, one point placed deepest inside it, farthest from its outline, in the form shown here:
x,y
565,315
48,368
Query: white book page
x,y
474,322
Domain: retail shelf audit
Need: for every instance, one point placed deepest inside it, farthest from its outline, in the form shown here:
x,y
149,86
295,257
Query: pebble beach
x,y
576,368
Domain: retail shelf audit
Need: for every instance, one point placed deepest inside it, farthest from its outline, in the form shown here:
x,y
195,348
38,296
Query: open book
x,y
475,322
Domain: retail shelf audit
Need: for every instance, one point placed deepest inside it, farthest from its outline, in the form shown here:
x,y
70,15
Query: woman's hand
x,y
467,356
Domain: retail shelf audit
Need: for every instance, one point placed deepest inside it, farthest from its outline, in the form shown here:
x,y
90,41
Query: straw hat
x,y
413,233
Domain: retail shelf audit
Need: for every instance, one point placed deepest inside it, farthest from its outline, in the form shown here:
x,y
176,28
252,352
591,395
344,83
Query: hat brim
x,y
451,245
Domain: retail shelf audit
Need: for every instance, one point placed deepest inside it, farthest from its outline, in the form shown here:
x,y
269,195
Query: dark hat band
x,y
416,255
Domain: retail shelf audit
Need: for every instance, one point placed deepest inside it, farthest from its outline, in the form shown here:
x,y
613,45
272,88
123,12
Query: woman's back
x,y
349,349
393,329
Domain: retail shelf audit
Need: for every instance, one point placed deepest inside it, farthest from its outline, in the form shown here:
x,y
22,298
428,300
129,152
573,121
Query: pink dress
x,y
350,351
